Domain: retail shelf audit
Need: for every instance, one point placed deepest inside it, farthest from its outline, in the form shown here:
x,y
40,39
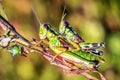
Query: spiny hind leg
x,y
98,45
91,45
94,51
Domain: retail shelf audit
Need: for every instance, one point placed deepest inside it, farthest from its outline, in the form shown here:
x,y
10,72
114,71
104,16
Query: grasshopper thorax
x,y
67,30
47,31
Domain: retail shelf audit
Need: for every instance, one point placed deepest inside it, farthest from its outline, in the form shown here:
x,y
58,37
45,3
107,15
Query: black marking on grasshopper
x,y
96,52
49,28
93,50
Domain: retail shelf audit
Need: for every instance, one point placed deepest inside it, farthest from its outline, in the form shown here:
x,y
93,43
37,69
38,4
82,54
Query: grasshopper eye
x,y
65,23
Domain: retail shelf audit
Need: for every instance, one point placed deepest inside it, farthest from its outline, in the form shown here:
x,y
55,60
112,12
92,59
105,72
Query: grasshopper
x,y
55,42
89,60
72,37
62,48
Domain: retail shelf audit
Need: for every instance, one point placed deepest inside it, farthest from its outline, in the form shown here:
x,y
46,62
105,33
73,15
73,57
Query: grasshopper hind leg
x,y
57,49
98,45
94,51
92,45
56,56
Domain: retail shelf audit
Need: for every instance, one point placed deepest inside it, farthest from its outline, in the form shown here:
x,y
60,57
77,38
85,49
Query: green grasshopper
x,y
47,32
72,37
89,60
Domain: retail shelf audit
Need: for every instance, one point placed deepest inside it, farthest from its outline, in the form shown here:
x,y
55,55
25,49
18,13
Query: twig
x,y
9,26
101,75
89,76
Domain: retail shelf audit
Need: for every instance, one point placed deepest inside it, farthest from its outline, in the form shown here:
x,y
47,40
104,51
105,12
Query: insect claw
x,y
54,58
96,66
100,53
37,43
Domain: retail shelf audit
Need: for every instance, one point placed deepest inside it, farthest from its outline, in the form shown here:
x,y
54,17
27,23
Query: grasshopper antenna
x,y
63,13
36,15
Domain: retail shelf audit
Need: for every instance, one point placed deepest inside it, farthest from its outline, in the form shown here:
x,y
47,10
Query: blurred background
x,y
94,20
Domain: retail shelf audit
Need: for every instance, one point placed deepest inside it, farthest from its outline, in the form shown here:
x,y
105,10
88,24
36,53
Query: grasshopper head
x,y
43,30
63,26
47,31
66,30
